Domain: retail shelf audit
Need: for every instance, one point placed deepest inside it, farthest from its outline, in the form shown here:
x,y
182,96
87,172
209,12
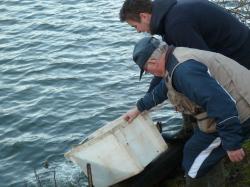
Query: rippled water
x,y
65,71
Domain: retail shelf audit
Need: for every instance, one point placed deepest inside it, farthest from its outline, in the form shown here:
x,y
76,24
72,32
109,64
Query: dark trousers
x,y
203,151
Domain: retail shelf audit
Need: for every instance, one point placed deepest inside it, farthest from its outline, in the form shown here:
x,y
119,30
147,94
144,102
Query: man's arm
x,y
193,80
156,96
154,82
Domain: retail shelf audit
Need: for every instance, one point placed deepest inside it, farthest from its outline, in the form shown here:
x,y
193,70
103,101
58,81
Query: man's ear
x,y
144,16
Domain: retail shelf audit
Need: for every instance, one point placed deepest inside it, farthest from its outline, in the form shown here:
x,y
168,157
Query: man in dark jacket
x,y
196,24
191,23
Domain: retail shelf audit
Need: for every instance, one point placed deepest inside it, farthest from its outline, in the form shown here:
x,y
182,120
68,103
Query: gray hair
x,y
162,48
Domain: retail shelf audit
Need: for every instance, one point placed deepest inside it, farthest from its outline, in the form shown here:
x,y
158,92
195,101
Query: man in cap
x,y
213,89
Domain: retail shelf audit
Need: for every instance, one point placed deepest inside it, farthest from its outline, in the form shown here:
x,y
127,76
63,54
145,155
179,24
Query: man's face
x,y
155,66
143,25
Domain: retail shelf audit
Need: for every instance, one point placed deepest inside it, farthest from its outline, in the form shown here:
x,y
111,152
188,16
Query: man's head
x,y
149,55
137,13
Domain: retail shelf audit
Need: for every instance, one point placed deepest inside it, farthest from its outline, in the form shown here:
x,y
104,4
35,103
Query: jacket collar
x,y
160,10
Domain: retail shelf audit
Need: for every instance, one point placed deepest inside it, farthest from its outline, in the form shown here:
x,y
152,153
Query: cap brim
x,y
141,73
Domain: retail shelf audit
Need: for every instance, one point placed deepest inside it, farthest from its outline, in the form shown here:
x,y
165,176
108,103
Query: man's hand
x,y
131,114
236,155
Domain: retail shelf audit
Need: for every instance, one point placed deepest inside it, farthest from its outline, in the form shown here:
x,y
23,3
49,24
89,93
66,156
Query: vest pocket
x,y
205,124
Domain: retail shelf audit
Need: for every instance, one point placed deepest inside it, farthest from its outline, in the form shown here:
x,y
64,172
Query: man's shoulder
x,y
188,67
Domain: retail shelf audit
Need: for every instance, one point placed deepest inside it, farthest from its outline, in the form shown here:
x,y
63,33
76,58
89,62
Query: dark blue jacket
x,y
193,80
200,24
203,25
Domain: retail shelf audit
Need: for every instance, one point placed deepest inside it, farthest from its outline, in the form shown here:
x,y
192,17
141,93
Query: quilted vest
x,y
233,77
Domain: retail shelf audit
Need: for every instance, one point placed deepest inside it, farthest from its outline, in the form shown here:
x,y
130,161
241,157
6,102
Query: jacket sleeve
x,y
154,82
193,80
185,34
156,96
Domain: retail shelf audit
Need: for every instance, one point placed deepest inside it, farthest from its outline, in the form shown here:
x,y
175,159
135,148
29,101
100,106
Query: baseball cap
x,y
143,50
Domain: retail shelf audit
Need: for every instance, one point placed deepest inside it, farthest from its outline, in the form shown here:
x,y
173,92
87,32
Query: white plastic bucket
x,y
119,150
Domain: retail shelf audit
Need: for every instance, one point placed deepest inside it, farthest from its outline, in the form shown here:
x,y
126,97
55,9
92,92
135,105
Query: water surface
x,y
66,70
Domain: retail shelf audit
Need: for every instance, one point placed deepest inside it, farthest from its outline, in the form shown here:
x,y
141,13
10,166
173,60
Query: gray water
x,y
66,70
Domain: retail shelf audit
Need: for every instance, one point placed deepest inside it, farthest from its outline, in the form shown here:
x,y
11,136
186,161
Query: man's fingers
x,y
237,155
125,117
235,158
130,120
131,115
241,155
